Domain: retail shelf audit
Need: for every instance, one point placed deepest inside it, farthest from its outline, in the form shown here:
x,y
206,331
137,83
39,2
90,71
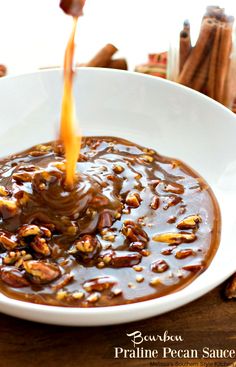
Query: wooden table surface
x,y
209,321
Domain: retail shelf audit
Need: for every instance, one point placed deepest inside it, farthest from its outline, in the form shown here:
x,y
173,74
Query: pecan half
x,y
189,222
174,238
41,272
29,230
13,277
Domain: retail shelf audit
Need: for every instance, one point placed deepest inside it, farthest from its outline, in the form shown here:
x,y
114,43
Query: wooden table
x,y
209,321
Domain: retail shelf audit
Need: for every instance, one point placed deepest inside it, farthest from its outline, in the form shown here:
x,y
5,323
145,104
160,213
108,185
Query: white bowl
x,y
174,120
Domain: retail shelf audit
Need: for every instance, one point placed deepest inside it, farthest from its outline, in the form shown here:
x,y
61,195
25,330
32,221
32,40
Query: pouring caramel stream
x,y
68,133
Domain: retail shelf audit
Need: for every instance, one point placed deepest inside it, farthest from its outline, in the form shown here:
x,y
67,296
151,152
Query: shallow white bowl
x,y
174,120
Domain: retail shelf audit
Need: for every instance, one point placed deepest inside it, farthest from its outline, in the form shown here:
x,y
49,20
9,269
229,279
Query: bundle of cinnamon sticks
x,y
205,67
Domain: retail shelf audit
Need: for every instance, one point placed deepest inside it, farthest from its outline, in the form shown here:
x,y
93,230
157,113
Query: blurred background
x,y
33,33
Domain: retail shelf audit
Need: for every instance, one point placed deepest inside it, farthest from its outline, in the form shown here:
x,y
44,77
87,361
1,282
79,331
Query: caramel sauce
x,y
135,226
68,133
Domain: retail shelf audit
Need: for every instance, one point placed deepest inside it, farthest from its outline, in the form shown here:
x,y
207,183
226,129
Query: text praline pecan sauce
x,y
135,226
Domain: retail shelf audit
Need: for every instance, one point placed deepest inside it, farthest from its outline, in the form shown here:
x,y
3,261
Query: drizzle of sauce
x,y
68,120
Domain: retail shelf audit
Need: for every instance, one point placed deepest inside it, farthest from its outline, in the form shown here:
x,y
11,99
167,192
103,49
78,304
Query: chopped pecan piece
x,y
43,148
171,219
21,259
137,246
174,238
78,295
8,208
46,231
173,187
3,191
93,297
41,272
9,243
139,278
21,177
172,201
63,281
134,232
105,220
118,169
167,251
116,292
133,199
40,246
13,277
147,158
125,259
182,254
22,198
155,202
230,291
159,266
99,284
155,282
16,257
189,222
87,244
193,268
86,249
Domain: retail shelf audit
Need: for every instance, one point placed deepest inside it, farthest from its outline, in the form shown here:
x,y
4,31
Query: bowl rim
x,y
124,72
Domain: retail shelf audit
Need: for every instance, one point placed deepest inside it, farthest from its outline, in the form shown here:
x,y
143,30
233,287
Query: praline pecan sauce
x,y
135,226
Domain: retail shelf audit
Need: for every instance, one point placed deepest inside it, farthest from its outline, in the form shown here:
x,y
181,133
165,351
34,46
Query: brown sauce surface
x,y
135,226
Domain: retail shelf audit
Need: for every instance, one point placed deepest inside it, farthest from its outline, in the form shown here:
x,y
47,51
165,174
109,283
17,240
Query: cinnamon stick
x,y
3,70
222,67
184,45
200,78
118,64
211,82
103,57
199,52
216,12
